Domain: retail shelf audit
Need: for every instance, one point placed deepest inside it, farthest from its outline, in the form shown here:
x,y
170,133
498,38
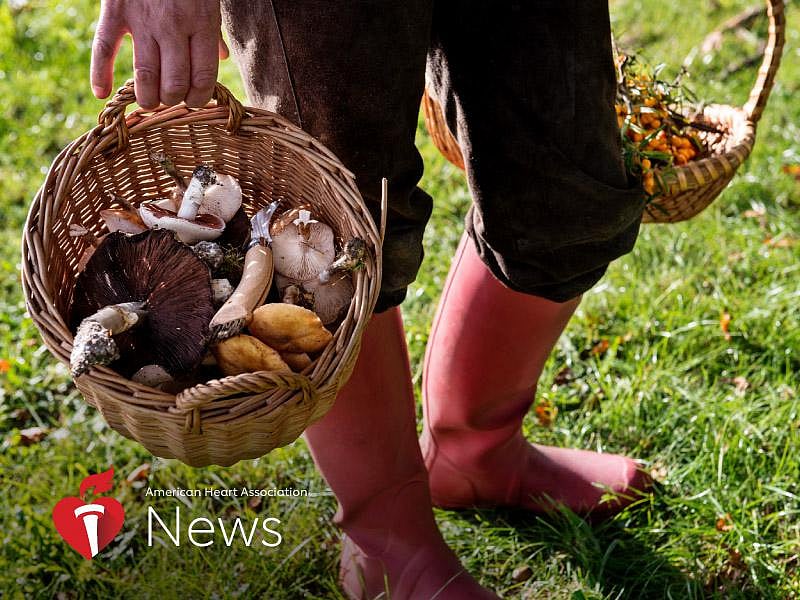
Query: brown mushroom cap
x,y
155,268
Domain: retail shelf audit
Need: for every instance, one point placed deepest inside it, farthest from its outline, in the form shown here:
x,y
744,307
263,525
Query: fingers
x,y
146,71
175,70
205,60
105,46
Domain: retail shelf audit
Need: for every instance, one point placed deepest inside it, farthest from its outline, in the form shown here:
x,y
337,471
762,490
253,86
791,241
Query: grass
x,y
716,419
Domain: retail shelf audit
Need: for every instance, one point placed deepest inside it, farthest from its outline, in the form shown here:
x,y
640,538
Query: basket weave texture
x,y
234,418
690,188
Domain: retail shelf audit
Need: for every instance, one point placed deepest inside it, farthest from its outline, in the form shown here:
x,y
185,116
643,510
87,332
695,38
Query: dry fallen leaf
x,y
659,471
735,256
724,324
724,523
254,502
600,347
545,413
32,435
741,384
782,242
521,573
793,170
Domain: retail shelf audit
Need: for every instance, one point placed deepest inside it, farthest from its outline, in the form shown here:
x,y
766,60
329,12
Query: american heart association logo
x,y
89,527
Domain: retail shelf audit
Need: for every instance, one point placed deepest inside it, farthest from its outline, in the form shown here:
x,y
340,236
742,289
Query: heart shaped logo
x,y
89,526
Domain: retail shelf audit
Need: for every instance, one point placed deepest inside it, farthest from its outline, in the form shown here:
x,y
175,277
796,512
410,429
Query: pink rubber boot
x,y
366,448
487,348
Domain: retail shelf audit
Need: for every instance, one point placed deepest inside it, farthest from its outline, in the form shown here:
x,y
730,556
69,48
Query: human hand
x,y
177,45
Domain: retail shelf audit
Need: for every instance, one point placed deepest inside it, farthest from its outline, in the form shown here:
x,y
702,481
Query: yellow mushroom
x,y
246,354
289,328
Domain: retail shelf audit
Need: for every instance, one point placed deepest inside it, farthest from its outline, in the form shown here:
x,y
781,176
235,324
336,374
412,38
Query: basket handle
x,y
113,115
772,59
259,382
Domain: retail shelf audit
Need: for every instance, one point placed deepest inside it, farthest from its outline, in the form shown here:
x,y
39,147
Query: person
x,y
528,89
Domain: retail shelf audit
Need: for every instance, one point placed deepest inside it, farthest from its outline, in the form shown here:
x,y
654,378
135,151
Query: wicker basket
x,y
692,187
226,420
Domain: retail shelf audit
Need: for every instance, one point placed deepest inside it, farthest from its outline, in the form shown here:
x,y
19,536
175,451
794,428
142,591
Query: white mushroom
x,y
201,228
222,198
302,246
329,300
202,177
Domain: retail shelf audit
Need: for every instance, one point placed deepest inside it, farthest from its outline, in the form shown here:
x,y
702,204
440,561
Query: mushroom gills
x,y
303,247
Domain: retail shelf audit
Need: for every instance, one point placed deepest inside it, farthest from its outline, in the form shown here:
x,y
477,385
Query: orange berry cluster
x,y
648,119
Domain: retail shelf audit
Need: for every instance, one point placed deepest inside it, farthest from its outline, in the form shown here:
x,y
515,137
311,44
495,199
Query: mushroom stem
x,y
167,163
202,177
250,293
303,223
351,259
94,343
123,202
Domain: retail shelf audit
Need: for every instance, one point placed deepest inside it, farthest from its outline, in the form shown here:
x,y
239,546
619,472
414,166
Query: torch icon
x,y
89,525
90,514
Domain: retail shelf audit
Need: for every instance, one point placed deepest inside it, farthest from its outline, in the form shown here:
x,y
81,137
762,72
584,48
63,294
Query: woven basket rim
x,y
734,156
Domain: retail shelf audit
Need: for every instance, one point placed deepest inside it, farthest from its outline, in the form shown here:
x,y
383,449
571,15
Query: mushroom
x,y
289,328
171,291
222,198
329,299
154,376
297,361
203,177
94,342
254,284
351,259
302,246
125,219
201,228
210,253
167,163
121,219
246,354
189,226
